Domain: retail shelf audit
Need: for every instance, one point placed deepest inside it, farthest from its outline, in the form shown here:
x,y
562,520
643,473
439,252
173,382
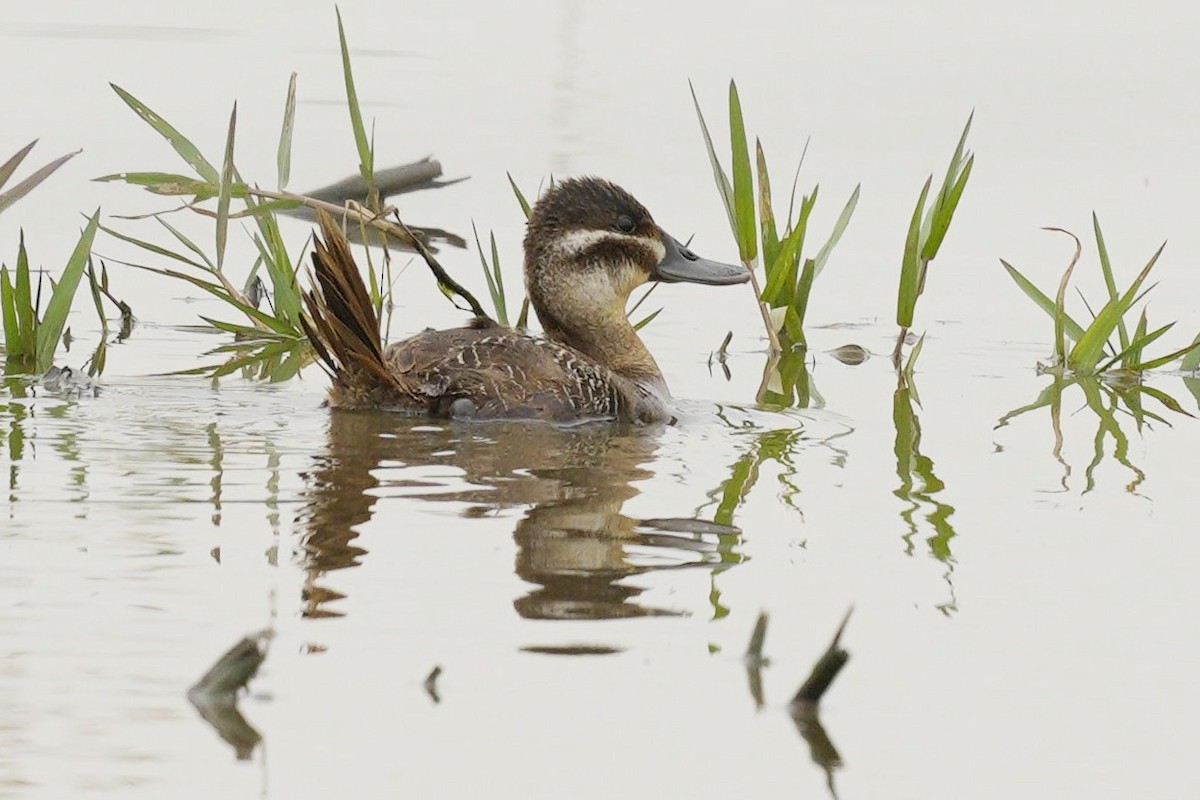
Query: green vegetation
x,y
783,297
1091,350
31,337
7,198
926,232
270,342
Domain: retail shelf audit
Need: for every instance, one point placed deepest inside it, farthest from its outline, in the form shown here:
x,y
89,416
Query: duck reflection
x,y
575,546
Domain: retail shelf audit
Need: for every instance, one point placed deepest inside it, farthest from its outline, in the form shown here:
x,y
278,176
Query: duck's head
x,y
589,244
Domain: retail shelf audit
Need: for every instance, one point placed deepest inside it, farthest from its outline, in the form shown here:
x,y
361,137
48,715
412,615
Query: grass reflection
x,y
920,486
1111,400
787,382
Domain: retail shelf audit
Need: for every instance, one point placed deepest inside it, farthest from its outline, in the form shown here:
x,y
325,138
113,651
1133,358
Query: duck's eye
x,y
625,224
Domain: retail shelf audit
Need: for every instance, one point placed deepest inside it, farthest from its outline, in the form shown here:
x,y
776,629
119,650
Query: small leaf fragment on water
x,y
851,354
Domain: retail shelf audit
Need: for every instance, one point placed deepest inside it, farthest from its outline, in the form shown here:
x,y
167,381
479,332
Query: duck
x,y
588,245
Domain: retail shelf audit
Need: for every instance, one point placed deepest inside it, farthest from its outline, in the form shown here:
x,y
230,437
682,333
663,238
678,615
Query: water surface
x,y
1024,595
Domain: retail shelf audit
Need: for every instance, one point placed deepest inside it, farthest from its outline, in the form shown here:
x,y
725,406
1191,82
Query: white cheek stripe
x,y
575,242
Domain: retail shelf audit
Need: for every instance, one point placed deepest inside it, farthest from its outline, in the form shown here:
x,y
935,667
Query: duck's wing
x,y
498,373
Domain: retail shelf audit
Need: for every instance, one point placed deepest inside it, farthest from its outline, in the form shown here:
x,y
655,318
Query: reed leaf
x,y
14,343
766,212
283,158
491,273
1072,328
839,227
945,208
1139,344
520,197
1087,351
222,294
188,243
227,172
910,267
911,363
170,184
27,320
153,248
1186,352
743,185
724,188
31,182
1110,282
182,145
366,157
637,326
1192,360
10,166
49,331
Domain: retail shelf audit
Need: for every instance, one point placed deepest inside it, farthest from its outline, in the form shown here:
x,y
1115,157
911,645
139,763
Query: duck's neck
x,y
608,339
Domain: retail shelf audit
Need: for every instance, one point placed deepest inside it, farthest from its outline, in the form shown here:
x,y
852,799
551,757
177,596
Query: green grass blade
x,y
273,252
1186,352
1088,349
246,334
10,166
945,213
365,155
638,304
743,182
27,321
26,186
1192,360
13,344
1060,302
724,188
55,319
168,184
218,291
766,212
1133,353
913,355
503,309
188,243
1139,344
835,235
959,150
910,266
496,292
798,307
1110,282
646,321
781,277
283,158
1072,328
520,197
227,172
188,151
153,248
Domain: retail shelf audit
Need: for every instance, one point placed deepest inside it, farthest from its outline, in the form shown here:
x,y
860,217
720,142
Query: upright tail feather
x,y
344,329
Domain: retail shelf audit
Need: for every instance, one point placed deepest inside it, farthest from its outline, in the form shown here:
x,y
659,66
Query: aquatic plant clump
x,y
1092,350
